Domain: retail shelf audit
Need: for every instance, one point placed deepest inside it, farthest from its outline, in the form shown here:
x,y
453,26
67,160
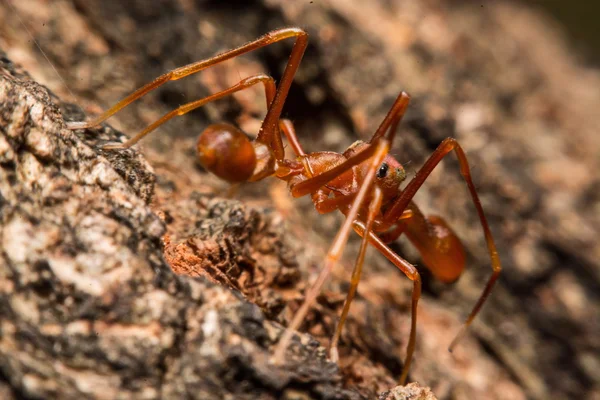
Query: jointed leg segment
x,y
268,82
374,208
288,130
269,133
411,272
411,189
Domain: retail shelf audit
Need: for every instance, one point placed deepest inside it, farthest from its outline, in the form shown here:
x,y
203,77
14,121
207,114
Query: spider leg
x,y
413,186
374,208
287,127
411,272
269,133
189,69
268,82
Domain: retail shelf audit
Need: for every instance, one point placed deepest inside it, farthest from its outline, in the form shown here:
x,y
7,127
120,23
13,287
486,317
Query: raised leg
x,y
268,82
411,272
392,118
413,186
374,208
269,133
288,130
287,127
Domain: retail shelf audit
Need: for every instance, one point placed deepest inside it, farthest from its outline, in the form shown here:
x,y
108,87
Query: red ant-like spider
x,y
363,183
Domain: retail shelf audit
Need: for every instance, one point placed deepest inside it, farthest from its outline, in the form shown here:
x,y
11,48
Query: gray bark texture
x,y
134,274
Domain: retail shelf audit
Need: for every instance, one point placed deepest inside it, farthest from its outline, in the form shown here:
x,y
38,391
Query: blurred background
x,y
578,19
517,83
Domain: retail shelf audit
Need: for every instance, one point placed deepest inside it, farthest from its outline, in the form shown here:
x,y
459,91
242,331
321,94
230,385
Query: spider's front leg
x,y
271,121
375,153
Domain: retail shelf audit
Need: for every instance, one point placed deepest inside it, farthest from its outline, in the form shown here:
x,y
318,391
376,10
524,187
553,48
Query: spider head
x,y
389,176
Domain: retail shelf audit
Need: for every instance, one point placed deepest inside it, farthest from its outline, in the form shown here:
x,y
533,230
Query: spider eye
x,y
383,170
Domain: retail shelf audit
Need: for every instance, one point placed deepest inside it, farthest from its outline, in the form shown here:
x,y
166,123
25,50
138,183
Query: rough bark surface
x,y
90,308
89,305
